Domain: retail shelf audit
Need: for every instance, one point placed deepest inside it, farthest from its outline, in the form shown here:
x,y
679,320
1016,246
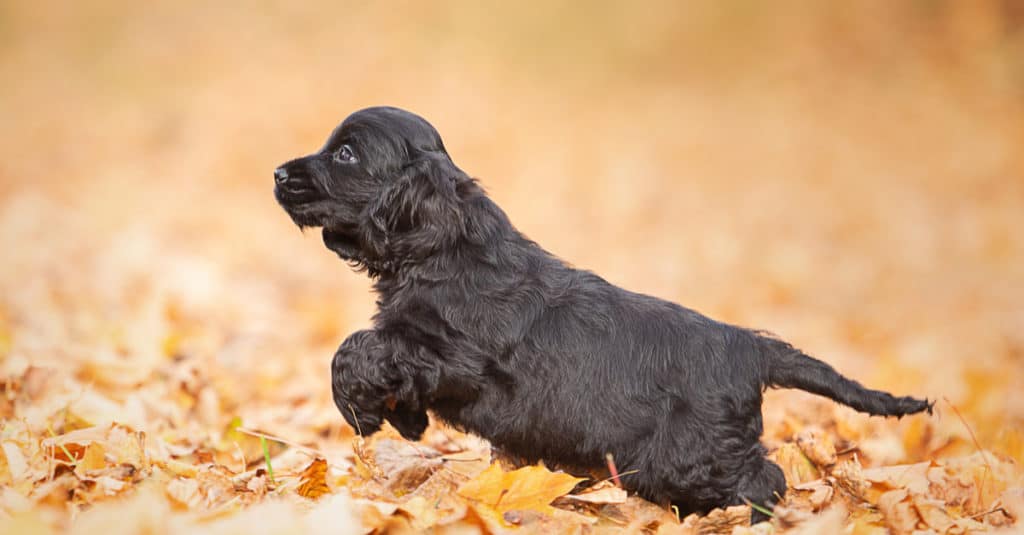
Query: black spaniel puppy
x,y
500,338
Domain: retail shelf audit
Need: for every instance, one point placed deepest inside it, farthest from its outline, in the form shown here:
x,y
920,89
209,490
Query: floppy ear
x,y
419,211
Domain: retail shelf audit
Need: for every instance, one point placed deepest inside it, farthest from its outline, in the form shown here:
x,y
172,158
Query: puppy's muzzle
x,y
293,180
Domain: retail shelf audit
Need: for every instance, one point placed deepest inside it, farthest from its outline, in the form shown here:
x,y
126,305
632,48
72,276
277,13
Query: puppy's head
x,y
383,188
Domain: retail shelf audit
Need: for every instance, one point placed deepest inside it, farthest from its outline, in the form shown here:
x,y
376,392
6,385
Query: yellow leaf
x,y
313,480
529,488
486,487
94,458
422,514
535,487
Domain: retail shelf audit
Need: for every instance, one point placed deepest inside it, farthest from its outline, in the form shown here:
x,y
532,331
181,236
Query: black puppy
x,y
498,337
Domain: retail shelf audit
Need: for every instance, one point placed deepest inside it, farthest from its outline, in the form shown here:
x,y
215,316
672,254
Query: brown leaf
x,y
602,493
1013,501
14,466
184,492
818,446
795,465
821,493
913,477
313,480
830,521
405,465
718,521
899,512
933,513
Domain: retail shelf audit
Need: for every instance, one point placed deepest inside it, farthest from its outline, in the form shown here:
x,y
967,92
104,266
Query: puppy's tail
x,y
789,367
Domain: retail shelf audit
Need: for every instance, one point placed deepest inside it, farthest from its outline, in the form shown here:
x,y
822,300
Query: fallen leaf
x,y
257,485
829,521
422,514
528,488
1013,501
109,486
14,459
899,512
933,513
603,493
488,487
913,477
184,492
313,480
406,465
795,465
821,493
818,446
94,458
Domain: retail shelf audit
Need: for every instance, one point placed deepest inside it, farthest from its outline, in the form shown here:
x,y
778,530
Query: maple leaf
x,y
530,488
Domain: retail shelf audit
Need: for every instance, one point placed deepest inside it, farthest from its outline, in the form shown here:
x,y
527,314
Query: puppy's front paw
x,y
357,384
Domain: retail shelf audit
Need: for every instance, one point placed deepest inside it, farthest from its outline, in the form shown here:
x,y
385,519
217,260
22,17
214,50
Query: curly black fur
x,y
498,337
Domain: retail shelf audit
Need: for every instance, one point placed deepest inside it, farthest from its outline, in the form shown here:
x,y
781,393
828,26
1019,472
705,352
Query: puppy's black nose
x,y
280,175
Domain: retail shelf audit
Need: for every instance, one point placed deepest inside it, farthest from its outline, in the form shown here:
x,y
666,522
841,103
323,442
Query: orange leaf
x,y
314,480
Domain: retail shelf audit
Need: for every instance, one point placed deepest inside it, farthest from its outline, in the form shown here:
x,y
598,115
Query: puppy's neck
x,y
348,249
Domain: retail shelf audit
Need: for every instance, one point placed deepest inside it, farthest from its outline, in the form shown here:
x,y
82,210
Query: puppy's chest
x,y
445,323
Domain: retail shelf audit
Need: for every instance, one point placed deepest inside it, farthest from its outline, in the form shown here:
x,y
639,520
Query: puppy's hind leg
x,y
762,484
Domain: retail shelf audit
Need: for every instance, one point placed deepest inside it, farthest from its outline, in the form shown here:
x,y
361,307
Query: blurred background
x,y
847,175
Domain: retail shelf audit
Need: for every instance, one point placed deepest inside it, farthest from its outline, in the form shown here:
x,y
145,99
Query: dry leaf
x,y
817,445
422,513
1013,502
933,513
795,465
15,464
94,458
913,477
405,465
899,512
529,488
141,323
603,493
184,492
821,493
313,480
830,521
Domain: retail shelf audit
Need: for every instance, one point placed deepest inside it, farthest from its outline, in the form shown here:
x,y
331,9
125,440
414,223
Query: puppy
x,y
498,337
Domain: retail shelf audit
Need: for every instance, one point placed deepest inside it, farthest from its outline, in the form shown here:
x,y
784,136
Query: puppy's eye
x,y
345,155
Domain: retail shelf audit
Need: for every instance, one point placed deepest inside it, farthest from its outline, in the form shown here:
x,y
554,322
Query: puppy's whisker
x,y
355,419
